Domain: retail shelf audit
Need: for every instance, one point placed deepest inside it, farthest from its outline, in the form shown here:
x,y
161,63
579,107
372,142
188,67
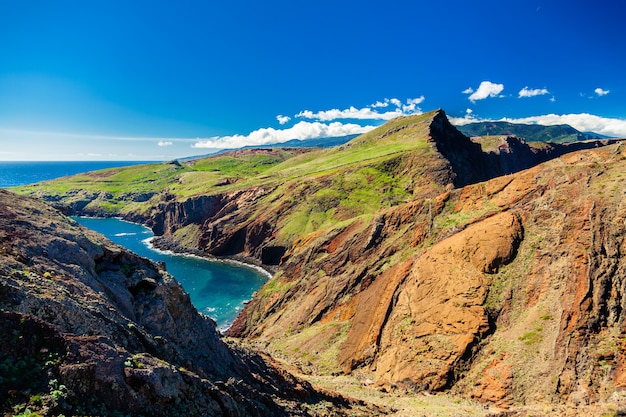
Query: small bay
x,y
218,289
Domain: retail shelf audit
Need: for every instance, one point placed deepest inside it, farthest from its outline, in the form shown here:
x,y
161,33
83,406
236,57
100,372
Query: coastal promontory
x,y
411,260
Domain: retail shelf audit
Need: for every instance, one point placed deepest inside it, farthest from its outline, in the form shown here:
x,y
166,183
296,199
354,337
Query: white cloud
x,y
461,121
266,136
411,105
485,89
365,113
369,112
600,92
528,92
395,102
282,119
380,104
468,90
165,143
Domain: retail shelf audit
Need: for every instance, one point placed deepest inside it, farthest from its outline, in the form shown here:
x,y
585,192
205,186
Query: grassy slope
x,y
322,186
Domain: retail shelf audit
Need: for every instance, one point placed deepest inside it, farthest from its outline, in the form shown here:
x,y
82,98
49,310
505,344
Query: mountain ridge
x,y
504,238
530,132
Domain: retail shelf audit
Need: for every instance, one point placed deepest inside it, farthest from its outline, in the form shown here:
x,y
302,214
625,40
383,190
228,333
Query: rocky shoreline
x,y
92,329
164,244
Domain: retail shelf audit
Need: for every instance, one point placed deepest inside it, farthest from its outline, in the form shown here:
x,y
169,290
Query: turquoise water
x,y
217,289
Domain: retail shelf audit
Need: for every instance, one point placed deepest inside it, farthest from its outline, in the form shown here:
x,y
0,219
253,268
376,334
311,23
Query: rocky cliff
x,y
247,221
91,329
507,290
419,260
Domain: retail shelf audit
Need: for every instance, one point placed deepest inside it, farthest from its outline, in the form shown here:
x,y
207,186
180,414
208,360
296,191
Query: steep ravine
x,y
508,291
89,328
495,273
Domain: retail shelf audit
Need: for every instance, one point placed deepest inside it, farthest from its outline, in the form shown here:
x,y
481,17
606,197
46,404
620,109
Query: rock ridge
x,y
518,248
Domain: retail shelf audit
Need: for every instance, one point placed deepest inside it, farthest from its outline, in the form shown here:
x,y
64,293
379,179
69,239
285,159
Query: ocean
x,y
218,289
14,173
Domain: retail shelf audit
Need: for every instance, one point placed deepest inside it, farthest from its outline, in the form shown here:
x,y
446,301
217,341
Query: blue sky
x,y
156,80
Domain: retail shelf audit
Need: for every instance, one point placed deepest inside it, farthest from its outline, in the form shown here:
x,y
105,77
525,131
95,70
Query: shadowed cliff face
x,y
248,222
90,328
508,290
493,269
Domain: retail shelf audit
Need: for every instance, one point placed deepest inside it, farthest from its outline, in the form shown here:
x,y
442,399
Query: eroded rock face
x,y
419,320
498,284
509,291
438,314
93,329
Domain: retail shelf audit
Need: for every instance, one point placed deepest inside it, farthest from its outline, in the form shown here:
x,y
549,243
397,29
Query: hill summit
x,y
412,257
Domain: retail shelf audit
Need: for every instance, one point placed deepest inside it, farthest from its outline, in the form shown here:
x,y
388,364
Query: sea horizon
x,y
18,173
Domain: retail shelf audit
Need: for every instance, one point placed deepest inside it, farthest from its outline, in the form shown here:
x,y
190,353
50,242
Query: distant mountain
x,y
530,133
293,143
310,143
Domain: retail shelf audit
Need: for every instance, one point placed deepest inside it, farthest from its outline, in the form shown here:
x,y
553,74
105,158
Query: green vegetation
x,y
532,337
314,348
275,285
450,220
314,188
28,375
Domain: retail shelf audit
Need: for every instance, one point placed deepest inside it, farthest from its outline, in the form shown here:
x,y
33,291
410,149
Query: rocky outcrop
x,y
508,290
471,164
493,270
91,329
423,347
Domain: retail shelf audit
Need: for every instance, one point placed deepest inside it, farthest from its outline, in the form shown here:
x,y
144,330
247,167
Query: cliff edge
x,y
418,260
89,328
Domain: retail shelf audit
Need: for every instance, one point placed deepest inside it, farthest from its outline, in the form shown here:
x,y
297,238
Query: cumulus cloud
x,y
395,102
468,118
324,124
411,105
381,103
283,119
352,112
533,92
267,136
600,92
165,143
369,112
485,89
468,90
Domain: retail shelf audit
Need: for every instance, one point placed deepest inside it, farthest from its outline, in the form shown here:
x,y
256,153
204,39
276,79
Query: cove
x,y
217,288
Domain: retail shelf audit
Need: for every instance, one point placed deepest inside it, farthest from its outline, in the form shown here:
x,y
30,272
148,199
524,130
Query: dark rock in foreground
x,y
89,328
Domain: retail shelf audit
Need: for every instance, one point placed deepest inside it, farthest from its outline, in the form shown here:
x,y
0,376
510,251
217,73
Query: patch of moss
x,y
532,337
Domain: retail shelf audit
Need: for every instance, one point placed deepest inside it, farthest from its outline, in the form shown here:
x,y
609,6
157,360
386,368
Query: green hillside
x,y
320,186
